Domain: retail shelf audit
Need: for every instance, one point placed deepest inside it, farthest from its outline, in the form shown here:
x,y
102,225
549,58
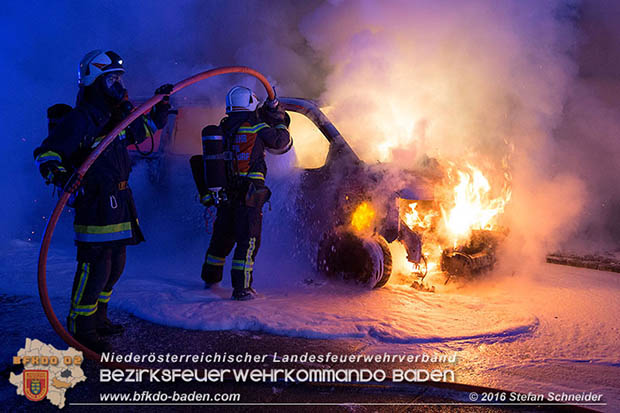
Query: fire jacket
x,y
251,138
105,211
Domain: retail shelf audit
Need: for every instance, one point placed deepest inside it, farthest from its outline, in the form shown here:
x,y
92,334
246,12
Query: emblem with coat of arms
x,y
36,384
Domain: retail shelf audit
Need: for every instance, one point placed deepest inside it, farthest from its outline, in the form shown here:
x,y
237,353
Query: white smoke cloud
x,y
460,81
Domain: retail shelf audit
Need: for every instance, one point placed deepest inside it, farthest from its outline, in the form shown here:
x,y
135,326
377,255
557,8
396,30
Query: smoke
x,y
588,136
479,83
443,79
405,81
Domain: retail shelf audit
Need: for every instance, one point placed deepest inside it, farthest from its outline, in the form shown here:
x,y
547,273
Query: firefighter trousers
x,y
99,268
234,224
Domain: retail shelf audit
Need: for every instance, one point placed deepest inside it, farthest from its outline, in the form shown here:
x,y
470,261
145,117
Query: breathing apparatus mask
x,y
112,85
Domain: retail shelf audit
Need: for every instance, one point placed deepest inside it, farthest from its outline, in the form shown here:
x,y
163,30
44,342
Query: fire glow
x,y
472,205
416,219
464,203
362,217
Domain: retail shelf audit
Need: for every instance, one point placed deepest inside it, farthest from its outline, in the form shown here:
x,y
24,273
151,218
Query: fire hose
x,y
79,174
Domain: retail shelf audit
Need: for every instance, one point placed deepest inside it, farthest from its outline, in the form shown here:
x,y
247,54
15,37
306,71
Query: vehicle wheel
x,y
456,263
364,260
387,261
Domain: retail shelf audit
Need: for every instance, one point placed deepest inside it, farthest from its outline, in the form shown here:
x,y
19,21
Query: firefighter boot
x,y
211,274
83,330
244,294
105,327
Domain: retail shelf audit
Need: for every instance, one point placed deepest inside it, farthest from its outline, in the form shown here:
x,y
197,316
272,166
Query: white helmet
x,y
96,63
240,99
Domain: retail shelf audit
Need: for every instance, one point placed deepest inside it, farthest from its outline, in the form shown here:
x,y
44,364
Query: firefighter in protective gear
x,y
105,214
248,130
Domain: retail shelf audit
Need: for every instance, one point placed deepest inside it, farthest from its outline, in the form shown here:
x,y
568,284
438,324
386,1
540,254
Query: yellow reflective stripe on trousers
x,y
238,265
85,267
104,296
83,311
85,306
249,264
77,308
215,260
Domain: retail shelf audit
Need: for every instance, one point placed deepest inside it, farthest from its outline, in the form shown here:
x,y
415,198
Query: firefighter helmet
x,y
240,99
96,63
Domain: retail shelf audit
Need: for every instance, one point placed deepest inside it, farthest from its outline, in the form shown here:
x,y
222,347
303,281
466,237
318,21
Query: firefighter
x,y
247,131
105,214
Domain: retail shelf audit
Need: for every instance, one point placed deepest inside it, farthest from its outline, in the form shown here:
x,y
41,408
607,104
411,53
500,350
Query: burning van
x,y
351,213
444,216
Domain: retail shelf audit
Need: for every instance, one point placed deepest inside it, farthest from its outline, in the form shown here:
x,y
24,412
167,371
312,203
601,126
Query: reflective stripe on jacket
x,y
250,141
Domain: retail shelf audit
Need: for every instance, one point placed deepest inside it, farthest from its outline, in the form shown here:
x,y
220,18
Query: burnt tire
x,y
348,256
387,261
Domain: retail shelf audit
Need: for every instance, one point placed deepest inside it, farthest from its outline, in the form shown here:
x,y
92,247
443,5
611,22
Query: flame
x,y
362,217
472,205
415,219
422,219
464,202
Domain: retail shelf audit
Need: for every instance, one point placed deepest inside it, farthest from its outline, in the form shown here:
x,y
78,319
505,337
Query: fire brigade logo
x,y
48,372
36,384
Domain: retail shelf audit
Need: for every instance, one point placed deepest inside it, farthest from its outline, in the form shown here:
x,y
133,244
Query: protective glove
x,y
272,104
159,114
208,199
125,108
164,89
274,117
54,173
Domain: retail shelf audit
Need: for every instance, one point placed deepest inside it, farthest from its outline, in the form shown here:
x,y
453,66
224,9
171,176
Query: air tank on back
x,y
213,150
